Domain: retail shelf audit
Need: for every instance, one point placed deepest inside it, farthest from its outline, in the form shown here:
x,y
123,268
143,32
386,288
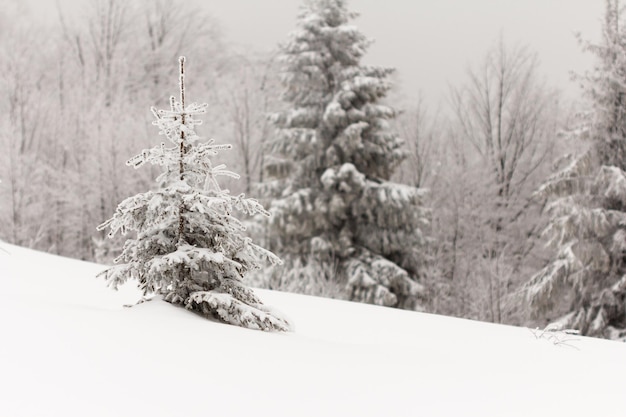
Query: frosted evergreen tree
x,y
337,219
189,247
586,282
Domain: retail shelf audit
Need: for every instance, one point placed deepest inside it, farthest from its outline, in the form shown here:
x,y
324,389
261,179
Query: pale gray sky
x,y
431,42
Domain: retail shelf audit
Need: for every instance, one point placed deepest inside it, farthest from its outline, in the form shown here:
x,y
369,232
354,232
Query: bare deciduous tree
x,y
422,134
171,28
495,156
250,99
22,90
503,112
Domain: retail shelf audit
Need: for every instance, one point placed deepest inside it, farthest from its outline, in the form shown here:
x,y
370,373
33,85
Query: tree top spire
x,y
181,61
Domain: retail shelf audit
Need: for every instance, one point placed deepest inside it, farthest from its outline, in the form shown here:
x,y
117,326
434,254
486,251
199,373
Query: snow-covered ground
x,y
68,348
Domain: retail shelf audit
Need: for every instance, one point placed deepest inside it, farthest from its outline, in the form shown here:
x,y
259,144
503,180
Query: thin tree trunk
x,y
181,208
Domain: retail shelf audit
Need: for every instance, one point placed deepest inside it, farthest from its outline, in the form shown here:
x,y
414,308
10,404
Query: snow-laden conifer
x,y
586,281
189,247
337,219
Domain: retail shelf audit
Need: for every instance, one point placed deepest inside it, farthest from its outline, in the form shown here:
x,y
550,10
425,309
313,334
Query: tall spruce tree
x,y
586,282
189,248
337,219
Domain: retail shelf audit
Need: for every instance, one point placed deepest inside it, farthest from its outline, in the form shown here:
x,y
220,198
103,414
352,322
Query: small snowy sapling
x,y
189,248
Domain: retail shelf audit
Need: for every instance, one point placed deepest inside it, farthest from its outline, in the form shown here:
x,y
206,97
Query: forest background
x,y
75,98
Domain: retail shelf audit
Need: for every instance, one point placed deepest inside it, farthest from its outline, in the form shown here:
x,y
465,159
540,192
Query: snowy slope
x,y
69,348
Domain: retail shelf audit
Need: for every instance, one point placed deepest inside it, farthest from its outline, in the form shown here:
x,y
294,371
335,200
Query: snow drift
x,y
70,348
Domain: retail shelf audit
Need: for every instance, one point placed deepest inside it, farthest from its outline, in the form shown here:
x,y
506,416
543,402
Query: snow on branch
x,y
372,276
571,221
612,180
573,178
566,267
159,155
236,312
249,206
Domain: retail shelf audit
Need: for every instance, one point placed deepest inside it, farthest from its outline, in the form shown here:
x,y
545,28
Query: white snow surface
x,y
69,348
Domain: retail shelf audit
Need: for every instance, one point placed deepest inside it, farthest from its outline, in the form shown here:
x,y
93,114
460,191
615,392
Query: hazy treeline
x,y
74,106
76,98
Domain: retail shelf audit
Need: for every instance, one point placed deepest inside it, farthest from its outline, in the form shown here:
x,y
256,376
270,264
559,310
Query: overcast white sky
x,y
431,42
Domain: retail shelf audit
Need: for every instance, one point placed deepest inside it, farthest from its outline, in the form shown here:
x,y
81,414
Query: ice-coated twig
x,y
140,301
556,336
4,250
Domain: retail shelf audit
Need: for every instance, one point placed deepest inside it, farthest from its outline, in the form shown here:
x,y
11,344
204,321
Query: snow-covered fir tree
x,y
586,281
337,219
189,247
